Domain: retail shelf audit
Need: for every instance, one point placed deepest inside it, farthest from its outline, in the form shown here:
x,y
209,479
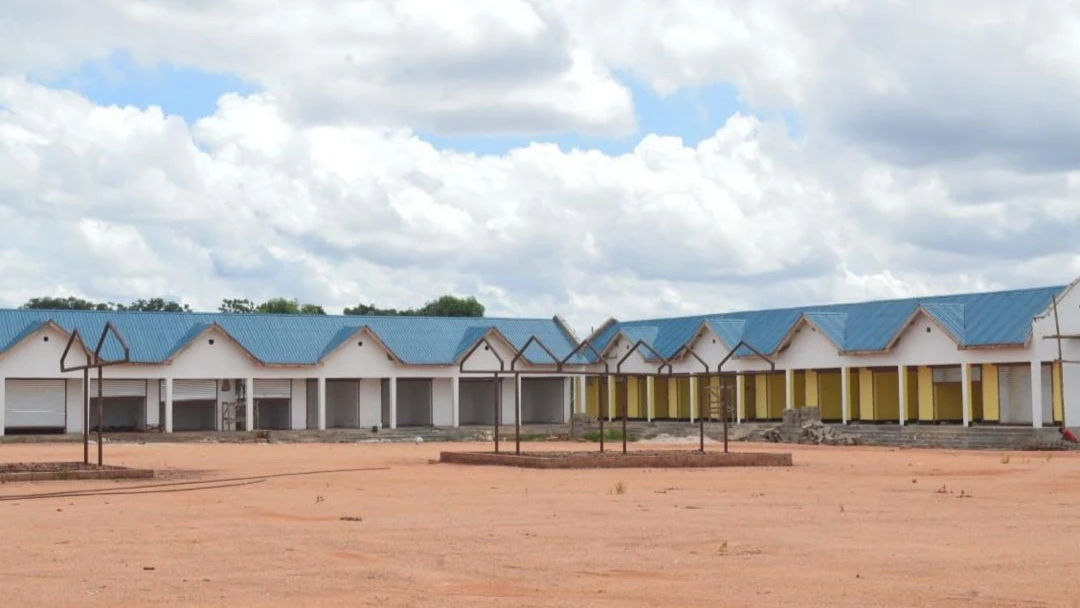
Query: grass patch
x,y
609,435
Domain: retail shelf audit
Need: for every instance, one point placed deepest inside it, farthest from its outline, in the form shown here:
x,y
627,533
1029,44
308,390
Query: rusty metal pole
x,y
495,383
701,414
603,407
100,412
86,416
625,407
517,414
724,415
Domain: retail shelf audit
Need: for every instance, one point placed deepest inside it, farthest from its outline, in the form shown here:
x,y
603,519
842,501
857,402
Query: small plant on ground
x,y
619,488
609,435
1006,458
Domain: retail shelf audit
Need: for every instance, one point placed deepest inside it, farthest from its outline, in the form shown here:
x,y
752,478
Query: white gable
x,y
213,354
38,355
809,348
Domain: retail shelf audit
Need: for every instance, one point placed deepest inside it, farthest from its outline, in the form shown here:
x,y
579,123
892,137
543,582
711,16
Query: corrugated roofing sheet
x,y
290,339
978,319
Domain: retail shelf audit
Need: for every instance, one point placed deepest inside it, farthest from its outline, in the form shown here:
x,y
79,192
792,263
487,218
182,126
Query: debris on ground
x,y
804,425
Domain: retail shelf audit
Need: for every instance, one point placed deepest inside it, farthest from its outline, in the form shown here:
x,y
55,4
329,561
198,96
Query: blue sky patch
x,y
120,80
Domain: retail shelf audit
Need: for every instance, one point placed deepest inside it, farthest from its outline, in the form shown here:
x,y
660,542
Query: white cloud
x,y
936,153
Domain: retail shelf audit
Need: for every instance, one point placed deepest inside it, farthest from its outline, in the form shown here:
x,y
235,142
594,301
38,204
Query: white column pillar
x,y
455,401
650,397
902,372
845,394
580,406
740,397
3,404
568,387
965,391
517,398
1036,394
393,403
693,397
320,403
789,389
249,404
168,422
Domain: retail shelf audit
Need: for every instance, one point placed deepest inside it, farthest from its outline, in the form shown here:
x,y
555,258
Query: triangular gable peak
x,y
641,359
478,355
707,344
205,331
347,336
36,329
922,311
1060,296
731,331
832,325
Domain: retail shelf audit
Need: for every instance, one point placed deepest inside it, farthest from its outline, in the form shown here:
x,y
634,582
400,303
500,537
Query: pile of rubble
x,y
803,425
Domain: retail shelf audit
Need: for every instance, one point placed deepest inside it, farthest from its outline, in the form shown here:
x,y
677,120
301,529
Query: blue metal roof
x,y
974,319
154,337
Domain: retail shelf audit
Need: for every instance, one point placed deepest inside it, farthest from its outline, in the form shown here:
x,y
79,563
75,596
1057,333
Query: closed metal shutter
x,y
273,389
119,388
35,404
192,390
1014,391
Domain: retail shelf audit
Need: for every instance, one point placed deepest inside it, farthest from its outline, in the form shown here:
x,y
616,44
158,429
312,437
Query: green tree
x,y
68,303
451,306
281,306
444,306
154,305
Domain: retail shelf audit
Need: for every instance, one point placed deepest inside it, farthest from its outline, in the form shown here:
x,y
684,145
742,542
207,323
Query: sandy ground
x,y
844,527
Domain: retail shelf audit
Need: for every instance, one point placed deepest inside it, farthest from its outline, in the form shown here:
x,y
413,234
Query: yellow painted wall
x,y
830,394
866,394
592,396
1055,383
777,394
684,398
740,396
948,401
635,401
912,394
886,395
853,394
799,389
810,394
926,394
991,399
761,393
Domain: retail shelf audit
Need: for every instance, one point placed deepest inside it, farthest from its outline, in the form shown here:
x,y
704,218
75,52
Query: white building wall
x,y
75,405
1046,349
298,408
441,402
153,403
38,356
371,403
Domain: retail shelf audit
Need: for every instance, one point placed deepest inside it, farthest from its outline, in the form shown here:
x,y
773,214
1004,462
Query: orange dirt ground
x,y
843,527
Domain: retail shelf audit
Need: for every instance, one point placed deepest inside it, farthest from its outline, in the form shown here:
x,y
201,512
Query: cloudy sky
x,y
582,157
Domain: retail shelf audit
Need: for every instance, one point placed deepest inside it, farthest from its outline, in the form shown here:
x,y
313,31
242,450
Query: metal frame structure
x,y
94,361
603,405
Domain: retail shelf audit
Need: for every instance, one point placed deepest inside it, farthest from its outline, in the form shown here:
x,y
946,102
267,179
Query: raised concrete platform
x,y
665,459
67,471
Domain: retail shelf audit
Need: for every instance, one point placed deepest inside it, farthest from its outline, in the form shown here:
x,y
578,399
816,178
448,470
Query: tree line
x,y
443,306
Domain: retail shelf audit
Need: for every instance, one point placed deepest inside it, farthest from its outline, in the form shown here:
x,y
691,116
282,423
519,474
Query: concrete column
x,y
3,403
567,400
393,403
249,404
455,401
650,397
965,391
1036,394
168,422
902,371
789,389
517,399
581,397
320,403
845,394
740,397
693,397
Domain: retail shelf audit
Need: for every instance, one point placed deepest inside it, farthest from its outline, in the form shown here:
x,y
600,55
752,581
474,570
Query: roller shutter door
x,y
476,401
192,390
273,389
119,388
1014,390
542,400
414,402
35,404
